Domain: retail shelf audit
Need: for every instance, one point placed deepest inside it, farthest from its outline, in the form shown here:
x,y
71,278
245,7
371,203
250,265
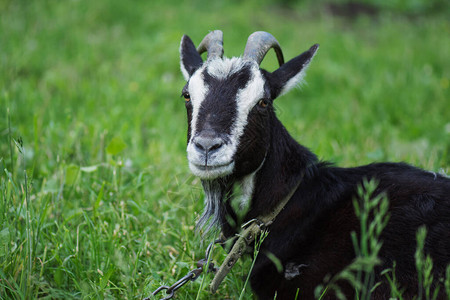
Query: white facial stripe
x,y
246,100
198,91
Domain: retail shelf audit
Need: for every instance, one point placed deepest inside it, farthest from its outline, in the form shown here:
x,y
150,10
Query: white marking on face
x,y
197,91
221,163
210,172
246,99
221,68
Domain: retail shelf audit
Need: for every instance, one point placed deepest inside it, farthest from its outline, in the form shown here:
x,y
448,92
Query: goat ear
x,y
190,60
291,73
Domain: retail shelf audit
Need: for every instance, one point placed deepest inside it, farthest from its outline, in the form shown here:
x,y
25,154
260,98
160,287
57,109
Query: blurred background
x,y
96,196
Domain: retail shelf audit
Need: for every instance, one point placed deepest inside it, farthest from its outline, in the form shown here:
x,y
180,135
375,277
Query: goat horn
x,y
213,43
258,44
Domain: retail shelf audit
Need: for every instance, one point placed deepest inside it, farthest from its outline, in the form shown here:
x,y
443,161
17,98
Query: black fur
x,y
311,235
219,108
190,58
314,228
279,78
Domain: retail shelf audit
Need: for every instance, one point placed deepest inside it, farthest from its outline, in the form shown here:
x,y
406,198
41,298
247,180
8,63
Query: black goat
x,y
235,139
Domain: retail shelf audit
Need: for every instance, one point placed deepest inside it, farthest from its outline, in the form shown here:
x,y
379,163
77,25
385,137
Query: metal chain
x,y
190,276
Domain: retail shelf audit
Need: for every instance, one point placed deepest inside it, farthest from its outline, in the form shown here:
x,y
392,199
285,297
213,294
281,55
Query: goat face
x,y
229,107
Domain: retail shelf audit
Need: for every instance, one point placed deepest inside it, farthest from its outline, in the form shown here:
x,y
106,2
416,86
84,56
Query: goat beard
x,y
215,210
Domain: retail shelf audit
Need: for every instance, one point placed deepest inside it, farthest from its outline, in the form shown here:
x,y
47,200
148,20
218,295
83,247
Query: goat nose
x,y
206,144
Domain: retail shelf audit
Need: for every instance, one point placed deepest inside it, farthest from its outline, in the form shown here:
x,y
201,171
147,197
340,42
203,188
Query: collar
x,y
250,231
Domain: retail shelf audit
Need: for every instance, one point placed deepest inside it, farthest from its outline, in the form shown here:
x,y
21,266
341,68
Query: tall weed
x,y
372,212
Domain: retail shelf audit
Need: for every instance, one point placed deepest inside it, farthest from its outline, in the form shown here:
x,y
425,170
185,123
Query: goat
x,y
234,139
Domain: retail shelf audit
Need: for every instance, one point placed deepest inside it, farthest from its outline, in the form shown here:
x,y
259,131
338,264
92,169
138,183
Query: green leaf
x,y
99,198
105,278
115,146
58,276
72,172
4,241
276,261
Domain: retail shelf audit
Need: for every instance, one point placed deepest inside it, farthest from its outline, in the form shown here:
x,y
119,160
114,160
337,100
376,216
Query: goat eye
x,y
263,103
187,97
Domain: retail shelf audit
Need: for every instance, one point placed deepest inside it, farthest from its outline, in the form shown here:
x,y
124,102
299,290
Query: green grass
x,y
372,212
96,200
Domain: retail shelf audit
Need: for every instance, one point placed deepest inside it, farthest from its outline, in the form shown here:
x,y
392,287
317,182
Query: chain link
x,y
190,276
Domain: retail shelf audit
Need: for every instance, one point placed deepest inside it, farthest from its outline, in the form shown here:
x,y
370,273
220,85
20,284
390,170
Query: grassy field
x,y
96,199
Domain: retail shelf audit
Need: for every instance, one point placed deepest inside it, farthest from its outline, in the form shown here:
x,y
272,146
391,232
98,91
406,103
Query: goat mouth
x,y
211,171
209,167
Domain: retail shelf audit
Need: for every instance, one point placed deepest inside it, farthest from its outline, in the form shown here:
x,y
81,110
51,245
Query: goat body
x,y
311,236
235,139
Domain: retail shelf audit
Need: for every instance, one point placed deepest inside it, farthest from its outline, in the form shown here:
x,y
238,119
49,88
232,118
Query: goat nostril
x,y
215,147
199,146
207,144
